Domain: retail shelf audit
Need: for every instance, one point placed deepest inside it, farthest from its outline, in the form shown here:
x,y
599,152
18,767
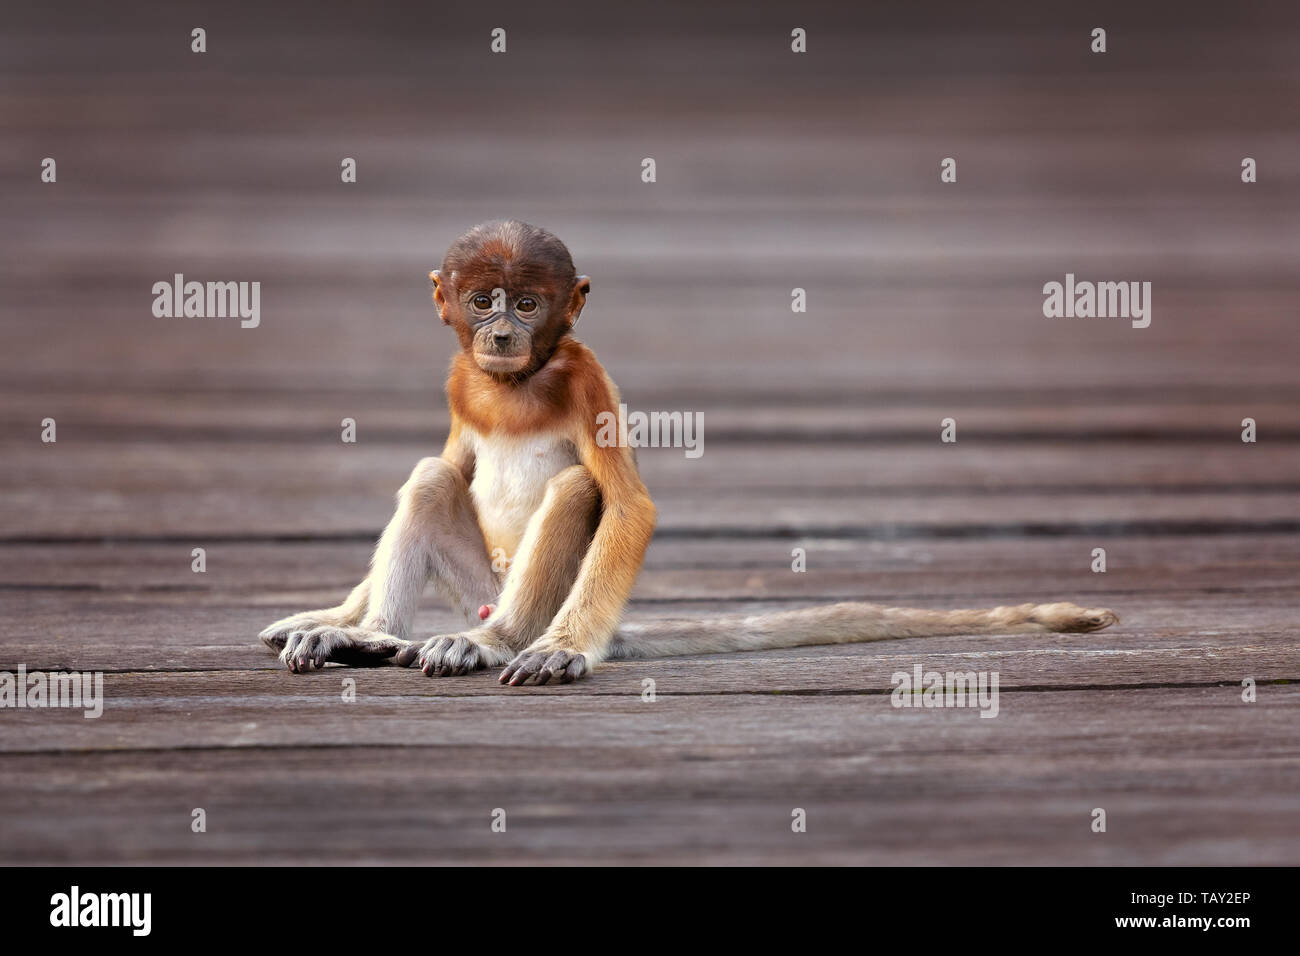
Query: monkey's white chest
x,y
510,476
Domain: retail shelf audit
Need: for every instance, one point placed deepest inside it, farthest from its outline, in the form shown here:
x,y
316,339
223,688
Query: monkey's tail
x,y
846,623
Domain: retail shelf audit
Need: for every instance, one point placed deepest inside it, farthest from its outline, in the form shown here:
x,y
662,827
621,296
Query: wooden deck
x,y
821,429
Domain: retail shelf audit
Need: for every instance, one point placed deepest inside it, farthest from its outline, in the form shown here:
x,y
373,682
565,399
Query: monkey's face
x,y
511,293
503,325
510,330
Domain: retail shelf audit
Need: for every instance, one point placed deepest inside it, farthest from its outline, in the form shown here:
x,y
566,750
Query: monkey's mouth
x,y
501,364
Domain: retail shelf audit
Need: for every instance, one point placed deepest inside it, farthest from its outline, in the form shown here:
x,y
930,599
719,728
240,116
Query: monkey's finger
x,y
304,651
302,657
523,667
530,667
509,672
554,666
438,658
290,653
291,640
318,652
465,656
454,657
434,657
407,655
577,667
462,662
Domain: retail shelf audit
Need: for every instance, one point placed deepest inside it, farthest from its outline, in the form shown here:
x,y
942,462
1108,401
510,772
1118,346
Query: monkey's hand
x,y
451,655
543,659
314,645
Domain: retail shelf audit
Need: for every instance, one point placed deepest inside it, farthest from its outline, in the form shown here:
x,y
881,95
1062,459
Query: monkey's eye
x,y
526,306
482,301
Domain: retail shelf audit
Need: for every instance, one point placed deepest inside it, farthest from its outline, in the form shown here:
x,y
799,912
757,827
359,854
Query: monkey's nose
x,y
501,339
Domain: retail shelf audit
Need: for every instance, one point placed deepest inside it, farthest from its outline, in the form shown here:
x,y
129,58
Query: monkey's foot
x,y
451,655
277,635
353,646
543,663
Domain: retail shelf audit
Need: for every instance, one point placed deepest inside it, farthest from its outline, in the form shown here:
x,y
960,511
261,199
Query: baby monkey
x,y
534,529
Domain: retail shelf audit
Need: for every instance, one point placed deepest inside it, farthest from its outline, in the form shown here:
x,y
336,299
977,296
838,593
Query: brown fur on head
x,y
511,293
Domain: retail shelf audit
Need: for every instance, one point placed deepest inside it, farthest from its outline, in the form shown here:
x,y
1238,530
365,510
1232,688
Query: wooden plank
x,y
326,466
208,512
681,567
78,490
419,417
910,338
1188,776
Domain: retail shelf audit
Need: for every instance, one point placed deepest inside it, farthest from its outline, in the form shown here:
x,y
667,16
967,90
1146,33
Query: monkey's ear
x,y
439,298
581,286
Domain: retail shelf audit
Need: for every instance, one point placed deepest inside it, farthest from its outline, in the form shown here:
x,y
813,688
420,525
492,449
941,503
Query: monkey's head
x,y
510,292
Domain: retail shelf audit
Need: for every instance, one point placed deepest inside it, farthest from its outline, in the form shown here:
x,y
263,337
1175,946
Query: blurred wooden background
x,y
775,170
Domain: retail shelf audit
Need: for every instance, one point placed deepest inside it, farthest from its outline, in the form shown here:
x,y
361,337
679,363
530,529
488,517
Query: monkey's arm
x,y
581,632
456,452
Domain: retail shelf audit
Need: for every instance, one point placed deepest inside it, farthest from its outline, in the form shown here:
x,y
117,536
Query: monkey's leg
x,y
540,579
434,533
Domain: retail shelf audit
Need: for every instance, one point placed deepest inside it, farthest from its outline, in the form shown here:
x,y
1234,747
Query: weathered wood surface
x,y
702,778
821,429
